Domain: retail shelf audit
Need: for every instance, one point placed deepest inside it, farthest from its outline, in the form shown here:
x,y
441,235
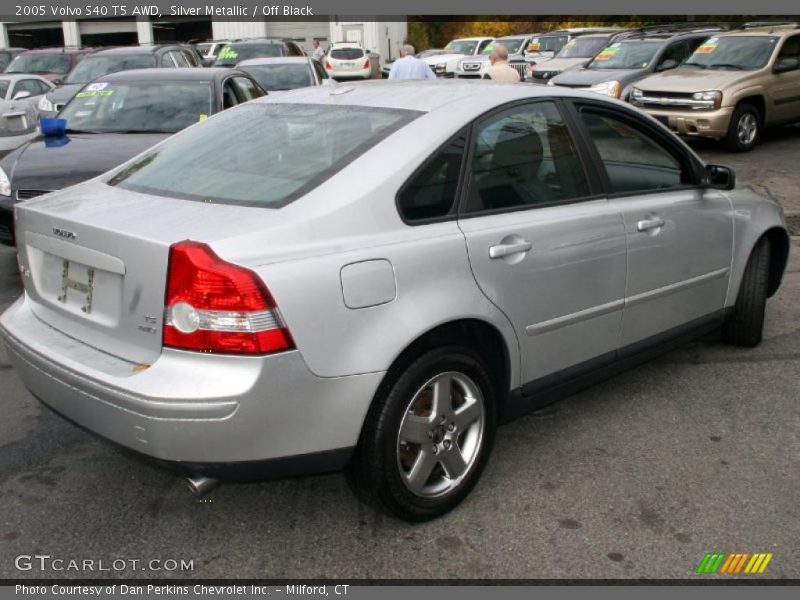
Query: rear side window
x,y
347,53
431,193
633,160
273,153
522,157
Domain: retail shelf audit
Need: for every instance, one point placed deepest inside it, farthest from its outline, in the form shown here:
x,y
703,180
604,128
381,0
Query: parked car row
x,y
698,79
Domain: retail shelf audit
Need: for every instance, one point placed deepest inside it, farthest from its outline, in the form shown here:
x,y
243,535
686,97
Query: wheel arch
x,y
779,257
476,334
758,101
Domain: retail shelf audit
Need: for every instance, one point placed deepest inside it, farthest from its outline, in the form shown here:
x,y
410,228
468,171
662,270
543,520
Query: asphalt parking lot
x,y
640,476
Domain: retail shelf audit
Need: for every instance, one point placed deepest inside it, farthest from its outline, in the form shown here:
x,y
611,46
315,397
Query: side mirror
x,y
667,64
786,64
58,81
53,127
22,94
720,178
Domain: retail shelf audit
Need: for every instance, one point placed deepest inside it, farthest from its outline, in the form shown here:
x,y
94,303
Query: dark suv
x,y
631,58
235,52
50,63
111,60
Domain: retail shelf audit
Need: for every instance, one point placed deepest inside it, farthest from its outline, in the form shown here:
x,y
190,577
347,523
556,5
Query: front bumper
x,y
699,123
187,407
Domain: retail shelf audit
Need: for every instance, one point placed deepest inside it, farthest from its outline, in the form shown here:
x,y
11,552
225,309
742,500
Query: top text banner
x,y
345,10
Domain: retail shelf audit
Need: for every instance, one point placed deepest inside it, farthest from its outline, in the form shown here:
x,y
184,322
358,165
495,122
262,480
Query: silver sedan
x,y
373,276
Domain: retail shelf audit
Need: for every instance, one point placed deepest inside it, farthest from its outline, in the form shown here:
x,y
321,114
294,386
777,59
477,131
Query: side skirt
x,y
550,388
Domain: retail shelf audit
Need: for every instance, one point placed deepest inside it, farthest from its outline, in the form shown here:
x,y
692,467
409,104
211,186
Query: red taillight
x,y
366,65
328,65
215,306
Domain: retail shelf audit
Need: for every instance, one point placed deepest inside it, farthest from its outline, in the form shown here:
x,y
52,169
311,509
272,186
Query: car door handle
x,y
502,250
649,224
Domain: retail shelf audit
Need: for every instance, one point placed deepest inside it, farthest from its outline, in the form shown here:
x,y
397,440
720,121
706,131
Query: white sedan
x,y
19,94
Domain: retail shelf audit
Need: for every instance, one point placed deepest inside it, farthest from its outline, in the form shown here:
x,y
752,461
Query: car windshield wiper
x,y
726,66
139,131
70,130
698,65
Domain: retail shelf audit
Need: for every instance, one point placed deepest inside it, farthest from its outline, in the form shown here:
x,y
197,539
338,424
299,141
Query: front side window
x,y
735,52
98,66
633,160
271,154
137,107
4,85
791,48
432,191
523,157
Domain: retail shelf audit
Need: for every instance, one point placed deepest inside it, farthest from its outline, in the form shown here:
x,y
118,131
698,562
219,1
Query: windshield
x,y
513,45
625,55
261,154
92,67
548,43
582,47
461,47
40,62
234,53
281,77
137,107
733,52
346,53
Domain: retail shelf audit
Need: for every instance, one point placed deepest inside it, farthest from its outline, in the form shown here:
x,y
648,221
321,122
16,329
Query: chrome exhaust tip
x,y
201,486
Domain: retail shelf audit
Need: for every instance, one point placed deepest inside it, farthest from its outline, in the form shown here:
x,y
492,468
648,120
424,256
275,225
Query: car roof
x,y
59,50
274,60
128,50
781,30
167,75
473,39
257,41
17,76
421,95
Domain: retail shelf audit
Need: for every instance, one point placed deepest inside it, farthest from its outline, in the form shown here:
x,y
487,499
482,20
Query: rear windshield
x,y
273,153
92,67
137,107
583,47
235,53
347,53
40,63
281,77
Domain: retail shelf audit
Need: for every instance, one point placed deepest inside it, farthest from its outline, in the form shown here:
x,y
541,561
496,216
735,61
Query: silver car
x,y
374,276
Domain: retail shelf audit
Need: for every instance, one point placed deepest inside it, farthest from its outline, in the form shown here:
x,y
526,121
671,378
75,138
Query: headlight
x,y
607,88
5,184
711,100
46,105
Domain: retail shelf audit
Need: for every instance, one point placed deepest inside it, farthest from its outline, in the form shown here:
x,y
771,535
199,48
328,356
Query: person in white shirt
x,y
409,66
318,53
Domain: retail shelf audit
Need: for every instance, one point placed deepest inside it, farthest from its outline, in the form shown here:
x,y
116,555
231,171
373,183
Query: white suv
x,y
444,65
348,60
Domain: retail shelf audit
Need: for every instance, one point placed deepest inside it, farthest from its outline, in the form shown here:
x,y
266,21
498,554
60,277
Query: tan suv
x,y
733,86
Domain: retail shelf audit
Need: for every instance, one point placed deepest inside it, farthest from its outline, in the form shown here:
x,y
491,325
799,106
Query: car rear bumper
x,y
342,74
713,123
191,408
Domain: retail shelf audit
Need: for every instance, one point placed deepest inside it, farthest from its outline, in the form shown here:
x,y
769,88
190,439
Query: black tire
x,y
733,141
745,326
374,472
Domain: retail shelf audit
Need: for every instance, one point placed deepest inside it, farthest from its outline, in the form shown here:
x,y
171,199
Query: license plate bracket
x,y
87,288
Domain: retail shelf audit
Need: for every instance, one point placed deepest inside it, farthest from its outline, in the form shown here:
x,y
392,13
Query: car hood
x,y
693,80
561,64
442,58
40,165
63,94
576,77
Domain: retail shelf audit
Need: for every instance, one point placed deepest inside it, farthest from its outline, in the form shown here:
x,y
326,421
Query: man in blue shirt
x,y
409,66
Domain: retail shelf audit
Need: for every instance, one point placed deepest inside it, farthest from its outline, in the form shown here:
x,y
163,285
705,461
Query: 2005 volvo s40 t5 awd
x,y
374,276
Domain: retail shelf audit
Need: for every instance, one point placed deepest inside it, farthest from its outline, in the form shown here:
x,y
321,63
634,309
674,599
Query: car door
x,y
544,246
679,234
785,93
